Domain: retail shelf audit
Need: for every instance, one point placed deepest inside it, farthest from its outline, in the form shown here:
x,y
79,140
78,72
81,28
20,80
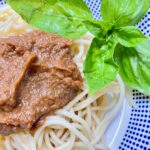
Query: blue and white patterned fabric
x,y
133,123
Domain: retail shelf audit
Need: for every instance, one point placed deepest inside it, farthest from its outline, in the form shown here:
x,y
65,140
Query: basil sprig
x,y
63,17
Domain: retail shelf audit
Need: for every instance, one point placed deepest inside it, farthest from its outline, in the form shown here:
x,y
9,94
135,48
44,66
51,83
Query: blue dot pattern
x,y
137,135
2,2
94,6
144,25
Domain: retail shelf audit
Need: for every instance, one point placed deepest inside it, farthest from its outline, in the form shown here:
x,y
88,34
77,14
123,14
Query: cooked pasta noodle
x,y
81,124
11,23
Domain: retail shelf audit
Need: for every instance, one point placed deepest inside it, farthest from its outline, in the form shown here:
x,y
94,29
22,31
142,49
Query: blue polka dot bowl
x,y
130,130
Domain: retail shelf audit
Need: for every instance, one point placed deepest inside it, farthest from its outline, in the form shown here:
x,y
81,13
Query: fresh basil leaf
x,y
124,12
63,17
134,64
99,66
129,36
98,28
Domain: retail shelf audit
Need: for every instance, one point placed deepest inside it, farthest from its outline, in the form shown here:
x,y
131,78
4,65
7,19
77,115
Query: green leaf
x,y
134,64
124,12
98,28
99,67
129,36
64,17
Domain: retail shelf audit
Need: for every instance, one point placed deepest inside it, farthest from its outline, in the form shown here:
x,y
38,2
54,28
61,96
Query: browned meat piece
x,y
37,76
13,62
